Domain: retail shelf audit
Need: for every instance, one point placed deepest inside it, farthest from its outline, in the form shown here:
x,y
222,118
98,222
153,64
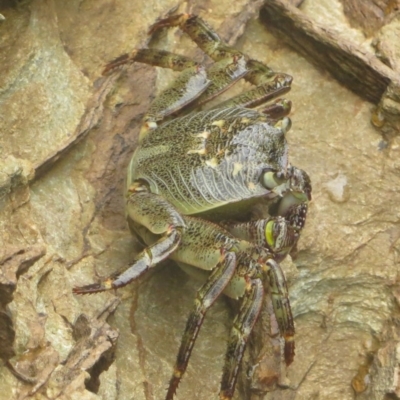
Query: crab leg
x,y
205,298
260,94
281,108
160,218
209,41
282,310
221,75
194,81
242,327
269,83
156,57
201,33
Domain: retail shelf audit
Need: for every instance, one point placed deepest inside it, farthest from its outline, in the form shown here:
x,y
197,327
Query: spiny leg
x,y
242,327
196,83
268,83
160,218
209,41
282,309
200,32
155,57
206,296
193,82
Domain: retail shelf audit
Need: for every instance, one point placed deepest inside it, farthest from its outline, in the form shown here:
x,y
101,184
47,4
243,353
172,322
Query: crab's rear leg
x,y
269,83
193,82
159,217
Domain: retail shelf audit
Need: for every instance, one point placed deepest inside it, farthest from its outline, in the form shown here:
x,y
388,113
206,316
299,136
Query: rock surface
x,y
64,226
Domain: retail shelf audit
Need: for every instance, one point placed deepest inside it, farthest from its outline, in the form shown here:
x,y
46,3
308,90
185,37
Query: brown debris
x,y
370,15
14,263
350,64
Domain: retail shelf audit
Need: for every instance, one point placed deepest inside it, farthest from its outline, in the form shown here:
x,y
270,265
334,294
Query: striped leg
x,y
205,298
160,218
242,327
194,81
283,313
269,83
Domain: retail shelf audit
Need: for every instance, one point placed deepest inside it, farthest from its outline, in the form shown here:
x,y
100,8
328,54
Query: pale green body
x,y
211,159
209,164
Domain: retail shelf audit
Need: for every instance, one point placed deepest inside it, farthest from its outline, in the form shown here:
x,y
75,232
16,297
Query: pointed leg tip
x,y
89,289
124,59
225,395
173,386
289,352
173,20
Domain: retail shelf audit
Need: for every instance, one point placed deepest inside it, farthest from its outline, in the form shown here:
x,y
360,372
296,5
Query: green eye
x,y
270,180
269,236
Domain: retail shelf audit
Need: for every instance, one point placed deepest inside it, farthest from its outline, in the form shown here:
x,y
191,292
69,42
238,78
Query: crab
x,y
195,181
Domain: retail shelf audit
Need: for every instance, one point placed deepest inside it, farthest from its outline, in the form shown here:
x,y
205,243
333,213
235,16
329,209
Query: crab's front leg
x,y
243,325
207,247
206,296
159,217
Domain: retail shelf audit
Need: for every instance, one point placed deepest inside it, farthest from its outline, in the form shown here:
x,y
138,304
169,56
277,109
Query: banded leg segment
x,y
282,309
160,218
206,296
156,57
242,327
200,32
259,95
193,82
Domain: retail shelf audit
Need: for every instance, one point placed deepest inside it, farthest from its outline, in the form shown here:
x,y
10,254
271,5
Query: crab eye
x,y
271,180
